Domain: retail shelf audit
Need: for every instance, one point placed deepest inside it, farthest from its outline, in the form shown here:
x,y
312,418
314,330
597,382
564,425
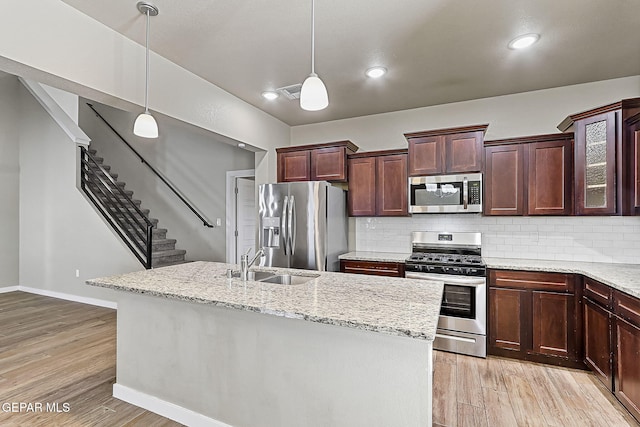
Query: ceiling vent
x,y
291,92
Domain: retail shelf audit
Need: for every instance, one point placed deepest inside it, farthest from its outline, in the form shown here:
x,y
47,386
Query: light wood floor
x,y
496,392
64,352
55,351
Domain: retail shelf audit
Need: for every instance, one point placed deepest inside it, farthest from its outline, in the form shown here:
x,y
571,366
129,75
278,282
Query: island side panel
x,y
250,369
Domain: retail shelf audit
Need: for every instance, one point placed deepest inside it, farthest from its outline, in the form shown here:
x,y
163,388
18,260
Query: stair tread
x,y
168,264
172,252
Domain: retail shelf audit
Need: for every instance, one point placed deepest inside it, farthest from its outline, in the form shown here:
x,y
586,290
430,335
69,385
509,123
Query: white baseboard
x,y
162,407
9,289
68,297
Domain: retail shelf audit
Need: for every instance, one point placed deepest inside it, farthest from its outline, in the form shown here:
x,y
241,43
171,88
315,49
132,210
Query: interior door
x,y
309,226
245,216
272,222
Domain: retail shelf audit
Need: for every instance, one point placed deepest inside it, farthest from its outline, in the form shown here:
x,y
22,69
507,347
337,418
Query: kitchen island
x,y
338,349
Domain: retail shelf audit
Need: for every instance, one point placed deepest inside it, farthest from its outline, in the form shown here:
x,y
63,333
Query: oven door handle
x,y
449,280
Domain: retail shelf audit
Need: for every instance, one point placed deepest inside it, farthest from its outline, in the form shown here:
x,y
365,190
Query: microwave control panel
x,y
474,192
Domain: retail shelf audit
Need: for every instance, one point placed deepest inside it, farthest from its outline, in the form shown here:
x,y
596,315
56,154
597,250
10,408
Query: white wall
x,y
59,230
522,114
605,239
9,181
63,48
193,160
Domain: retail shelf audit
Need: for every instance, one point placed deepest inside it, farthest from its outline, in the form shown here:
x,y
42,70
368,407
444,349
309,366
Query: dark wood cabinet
x,y
631,203
319,162
391,185
550,172
529,175
508,308
362,186
627,351
375,268
550,310
294,166
446,151
604,154
378,184
534,316
504,180
627,356
463,151
612,341
598,351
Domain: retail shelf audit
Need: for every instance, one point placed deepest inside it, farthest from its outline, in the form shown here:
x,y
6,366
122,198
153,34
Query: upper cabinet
x,y
529,175
446,151
606,173
378,183
319,162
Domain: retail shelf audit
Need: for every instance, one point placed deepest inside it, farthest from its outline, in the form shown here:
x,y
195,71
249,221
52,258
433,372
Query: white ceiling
x,y
436,51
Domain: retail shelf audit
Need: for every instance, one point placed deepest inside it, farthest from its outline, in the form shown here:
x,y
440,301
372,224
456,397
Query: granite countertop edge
x,y
623,277
132,283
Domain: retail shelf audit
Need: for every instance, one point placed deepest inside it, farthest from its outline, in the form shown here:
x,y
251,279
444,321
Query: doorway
x,y
241,214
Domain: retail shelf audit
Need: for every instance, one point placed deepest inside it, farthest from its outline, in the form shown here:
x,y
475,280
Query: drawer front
x,y
391,269
626,307
599,293
554,282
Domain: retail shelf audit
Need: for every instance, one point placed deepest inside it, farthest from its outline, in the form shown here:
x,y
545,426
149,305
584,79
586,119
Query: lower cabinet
x,y
554,318
626,356
534,316
598,352
375,268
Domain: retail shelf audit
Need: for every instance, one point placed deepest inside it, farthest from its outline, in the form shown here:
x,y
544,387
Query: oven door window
x,y
436,194
459,301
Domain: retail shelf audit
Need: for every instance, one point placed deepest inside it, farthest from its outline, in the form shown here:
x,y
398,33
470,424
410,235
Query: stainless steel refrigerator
x,y
302,225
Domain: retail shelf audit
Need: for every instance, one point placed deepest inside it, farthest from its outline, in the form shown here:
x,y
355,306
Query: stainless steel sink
x,y
272,277
260,275
288,279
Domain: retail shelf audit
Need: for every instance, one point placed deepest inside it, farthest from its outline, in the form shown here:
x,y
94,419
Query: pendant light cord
x,y
146,87
313,38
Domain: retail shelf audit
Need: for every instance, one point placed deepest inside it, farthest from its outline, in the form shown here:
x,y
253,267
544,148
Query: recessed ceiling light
x,y
376,72
270,95
523,41
242,145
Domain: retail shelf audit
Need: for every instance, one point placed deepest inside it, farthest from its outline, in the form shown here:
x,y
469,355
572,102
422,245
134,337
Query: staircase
x,y
125,214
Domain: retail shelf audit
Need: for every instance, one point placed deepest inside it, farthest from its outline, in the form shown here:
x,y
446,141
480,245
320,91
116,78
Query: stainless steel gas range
x,y
455,259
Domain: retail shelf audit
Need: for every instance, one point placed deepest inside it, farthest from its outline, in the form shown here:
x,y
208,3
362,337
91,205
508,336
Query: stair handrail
x,y
109,213
158,174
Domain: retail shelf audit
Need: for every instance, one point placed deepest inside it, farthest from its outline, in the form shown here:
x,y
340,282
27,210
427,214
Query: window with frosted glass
x,y
596,165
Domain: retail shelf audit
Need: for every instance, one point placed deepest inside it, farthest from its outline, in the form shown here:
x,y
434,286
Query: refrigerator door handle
x,y
283,224
292,225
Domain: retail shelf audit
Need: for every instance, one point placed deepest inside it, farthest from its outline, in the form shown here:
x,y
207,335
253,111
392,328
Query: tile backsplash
x,y
592,239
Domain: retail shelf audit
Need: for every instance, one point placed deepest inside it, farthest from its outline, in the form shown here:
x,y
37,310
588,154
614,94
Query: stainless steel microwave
x,y
446,193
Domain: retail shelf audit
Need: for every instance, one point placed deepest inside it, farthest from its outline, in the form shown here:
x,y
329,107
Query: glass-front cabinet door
x,y
595,158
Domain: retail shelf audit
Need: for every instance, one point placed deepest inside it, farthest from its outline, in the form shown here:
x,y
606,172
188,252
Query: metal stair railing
x,y
158,174
118,209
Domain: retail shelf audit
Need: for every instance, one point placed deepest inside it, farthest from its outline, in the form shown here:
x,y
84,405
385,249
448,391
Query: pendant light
x,y
313,95
145,125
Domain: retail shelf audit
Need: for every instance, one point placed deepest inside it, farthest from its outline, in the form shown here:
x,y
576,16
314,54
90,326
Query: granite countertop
x,y
624,277
395,306
375,256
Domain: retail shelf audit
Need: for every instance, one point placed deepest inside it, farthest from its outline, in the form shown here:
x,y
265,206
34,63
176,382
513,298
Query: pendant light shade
x,y
313,95
145,125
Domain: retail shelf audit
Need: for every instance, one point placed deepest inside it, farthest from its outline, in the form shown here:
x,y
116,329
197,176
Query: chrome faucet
x,y
245,264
